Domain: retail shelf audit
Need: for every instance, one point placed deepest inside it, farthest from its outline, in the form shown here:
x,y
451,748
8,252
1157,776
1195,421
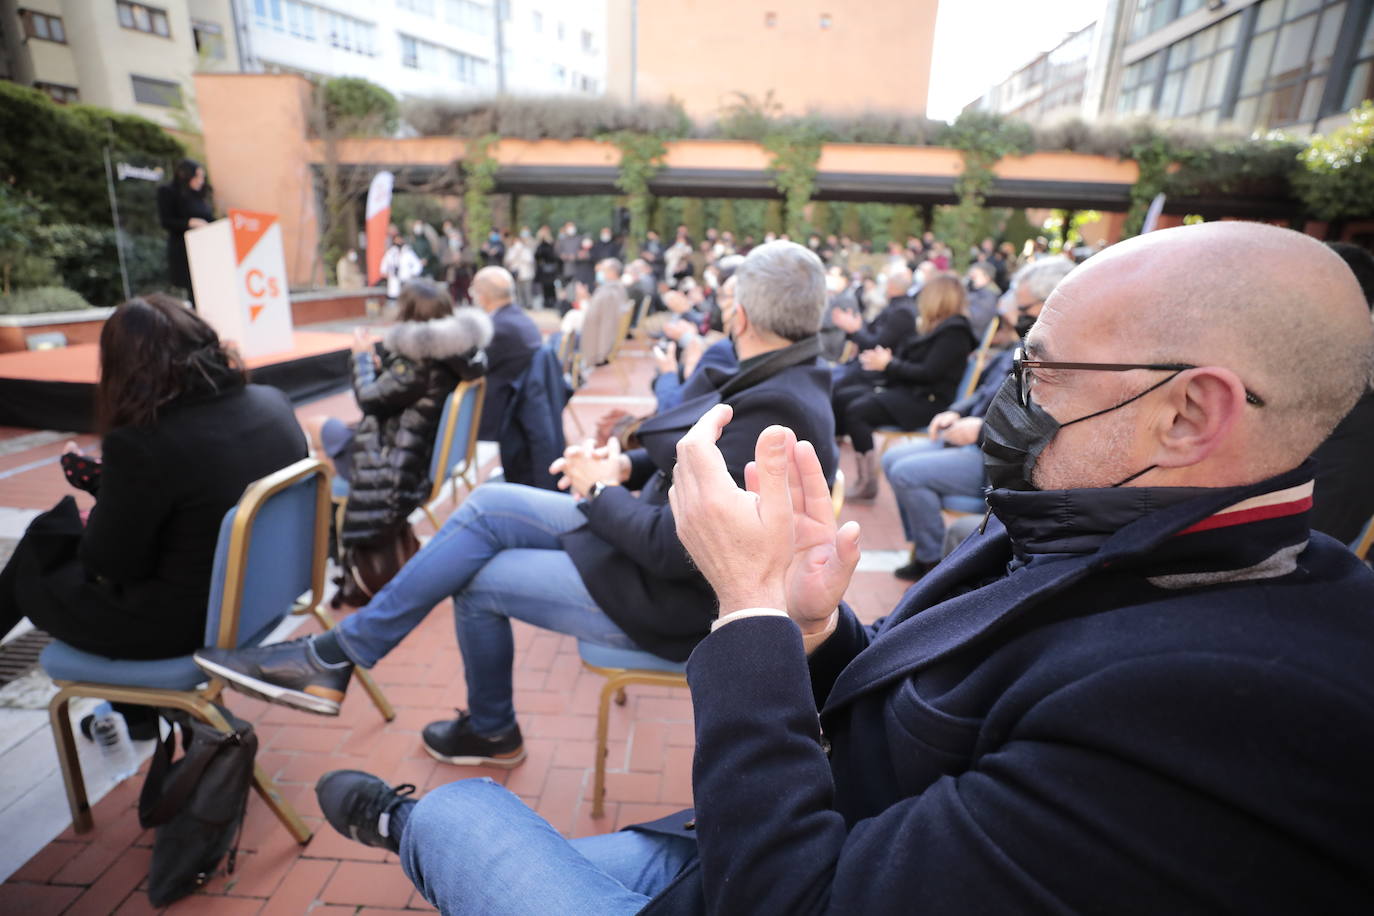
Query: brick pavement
x,y
649,765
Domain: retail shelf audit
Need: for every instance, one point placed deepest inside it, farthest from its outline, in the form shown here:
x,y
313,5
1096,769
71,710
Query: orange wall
x,y
875,55
258,156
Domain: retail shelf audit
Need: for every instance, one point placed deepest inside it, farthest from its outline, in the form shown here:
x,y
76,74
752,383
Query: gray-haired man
x,y
600,563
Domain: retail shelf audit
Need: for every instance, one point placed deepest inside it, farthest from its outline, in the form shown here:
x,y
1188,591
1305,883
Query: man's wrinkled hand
x,y
740,540
964,432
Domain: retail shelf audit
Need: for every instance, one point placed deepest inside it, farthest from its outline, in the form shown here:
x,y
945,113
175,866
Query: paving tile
x,y
300,887
36,899
47,861
109,842
207,905
365,884
118,882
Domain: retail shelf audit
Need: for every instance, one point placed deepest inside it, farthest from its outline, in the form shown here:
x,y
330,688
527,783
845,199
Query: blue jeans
x,y
498,557
473,847
922,475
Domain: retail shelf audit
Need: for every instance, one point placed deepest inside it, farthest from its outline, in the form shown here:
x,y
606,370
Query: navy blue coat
x,y
531,434
1069,737
629,554
514,339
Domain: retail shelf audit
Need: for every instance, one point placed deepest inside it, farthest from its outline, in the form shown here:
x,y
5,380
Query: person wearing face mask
x,y
601,318
946,469
605,247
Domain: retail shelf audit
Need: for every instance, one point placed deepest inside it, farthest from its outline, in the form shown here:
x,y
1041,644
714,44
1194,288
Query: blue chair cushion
x,y
65,663
606,657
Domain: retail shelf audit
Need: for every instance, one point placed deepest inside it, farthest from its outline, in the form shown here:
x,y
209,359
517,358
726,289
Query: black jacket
x,y
422,361
175,208
629,555
923,377
514,339
135,582
893,327
1126,730
531,437
1344,500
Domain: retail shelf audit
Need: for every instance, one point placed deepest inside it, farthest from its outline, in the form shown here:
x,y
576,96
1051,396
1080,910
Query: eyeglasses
x,y
1019,365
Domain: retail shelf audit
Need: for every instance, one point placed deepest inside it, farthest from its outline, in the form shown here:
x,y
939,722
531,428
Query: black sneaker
x,y
454,741
913,571
288,673
360,806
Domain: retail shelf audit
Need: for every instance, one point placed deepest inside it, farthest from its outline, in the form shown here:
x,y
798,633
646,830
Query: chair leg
x,y
267,790
603,727
432,520
364,676
59,715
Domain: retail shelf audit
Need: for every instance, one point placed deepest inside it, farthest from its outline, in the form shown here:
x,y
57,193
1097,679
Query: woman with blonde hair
x,y
907,387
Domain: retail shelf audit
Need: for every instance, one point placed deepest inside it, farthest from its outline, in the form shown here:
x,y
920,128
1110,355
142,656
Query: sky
x,y
978,43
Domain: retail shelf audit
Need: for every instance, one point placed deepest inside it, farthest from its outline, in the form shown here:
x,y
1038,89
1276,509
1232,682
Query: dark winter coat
x,y
175,208
924,373
422,361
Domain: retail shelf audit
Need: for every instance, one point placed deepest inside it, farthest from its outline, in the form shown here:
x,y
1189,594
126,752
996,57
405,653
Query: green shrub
x,y
42,299
353,106
1336,180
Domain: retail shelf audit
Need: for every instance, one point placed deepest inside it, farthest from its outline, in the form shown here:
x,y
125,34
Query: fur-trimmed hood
x,y
467,329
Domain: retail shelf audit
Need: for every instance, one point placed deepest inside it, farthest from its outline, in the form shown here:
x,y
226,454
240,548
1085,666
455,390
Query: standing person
x,y
584,267
493,250
652,253
399,265
450,254
567,247
424,248
547,267
519,260
182,205
606,247
677,259
601,323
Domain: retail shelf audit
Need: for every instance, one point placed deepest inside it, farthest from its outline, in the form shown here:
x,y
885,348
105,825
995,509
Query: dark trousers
x,y
857,413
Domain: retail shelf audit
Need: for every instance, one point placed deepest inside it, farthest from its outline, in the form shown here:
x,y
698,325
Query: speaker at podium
x,y
238,271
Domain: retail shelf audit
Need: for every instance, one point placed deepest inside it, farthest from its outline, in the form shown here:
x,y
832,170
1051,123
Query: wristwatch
x,y
597,489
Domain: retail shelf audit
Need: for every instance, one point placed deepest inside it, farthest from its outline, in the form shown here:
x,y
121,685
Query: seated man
x,y
606,567
1145,688
924,473
514,340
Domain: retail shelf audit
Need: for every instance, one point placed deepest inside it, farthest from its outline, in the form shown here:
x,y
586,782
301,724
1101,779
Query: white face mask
x,y
353,256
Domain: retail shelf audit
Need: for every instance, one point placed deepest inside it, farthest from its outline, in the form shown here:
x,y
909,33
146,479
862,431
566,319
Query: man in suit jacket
x,y
514,339
605,566
1145,688
890,328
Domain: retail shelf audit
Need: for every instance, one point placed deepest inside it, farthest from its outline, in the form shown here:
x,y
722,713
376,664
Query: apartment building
x,y
1052,87
132,57
139,57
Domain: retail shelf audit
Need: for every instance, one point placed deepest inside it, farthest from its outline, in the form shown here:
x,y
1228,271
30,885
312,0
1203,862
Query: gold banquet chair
x,y
455,450
623,667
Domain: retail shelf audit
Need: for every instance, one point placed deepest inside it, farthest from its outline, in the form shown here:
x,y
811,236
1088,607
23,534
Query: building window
x,y
422,7
59,93
467,69
466,14
41,25
418,54
1196,73
825,20
1361,83
1287,62
538,22
143,18
561,31
349,34
1151,16
586,41
209,39
162,93
410,52
770,20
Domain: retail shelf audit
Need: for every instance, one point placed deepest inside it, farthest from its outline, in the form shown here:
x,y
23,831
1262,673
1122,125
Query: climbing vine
x,y
983,138
796,150
479,178
641,158
1336,180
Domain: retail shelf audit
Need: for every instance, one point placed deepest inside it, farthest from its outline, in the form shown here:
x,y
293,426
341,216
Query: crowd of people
x,y
1134,676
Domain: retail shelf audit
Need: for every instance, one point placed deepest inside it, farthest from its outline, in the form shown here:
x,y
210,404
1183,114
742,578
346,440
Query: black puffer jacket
x,y
422,361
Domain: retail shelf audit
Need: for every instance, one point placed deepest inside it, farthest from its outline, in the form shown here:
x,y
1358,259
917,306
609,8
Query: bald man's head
x,y
492,288
1275,307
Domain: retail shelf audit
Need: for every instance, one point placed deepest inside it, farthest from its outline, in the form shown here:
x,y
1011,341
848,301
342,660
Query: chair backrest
x,y
622,330
980,359
1366,541
455,448
272,549
570,357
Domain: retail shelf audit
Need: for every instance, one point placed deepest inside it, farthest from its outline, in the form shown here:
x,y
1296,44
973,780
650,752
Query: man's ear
x,y
1204,406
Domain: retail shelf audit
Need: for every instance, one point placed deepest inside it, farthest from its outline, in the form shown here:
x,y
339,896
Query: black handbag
x,y
367,568
196,802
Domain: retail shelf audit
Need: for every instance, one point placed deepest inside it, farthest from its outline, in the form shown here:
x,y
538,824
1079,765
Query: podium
x,y
238,271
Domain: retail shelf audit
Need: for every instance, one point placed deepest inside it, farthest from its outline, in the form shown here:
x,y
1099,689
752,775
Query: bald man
x,y
515,339
1146,687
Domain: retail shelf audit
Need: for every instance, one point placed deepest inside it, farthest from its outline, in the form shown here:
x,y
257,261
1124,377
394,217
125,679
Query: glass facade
x,y
1264,67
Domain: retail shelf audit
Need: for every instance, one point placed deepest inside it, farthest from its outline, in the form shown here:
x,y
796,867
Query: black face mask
x,y
1015,436
1024,323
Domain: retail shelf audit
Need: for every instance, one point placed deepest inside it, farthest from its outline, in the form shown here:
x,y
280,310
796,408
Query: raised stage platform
x,y
55,389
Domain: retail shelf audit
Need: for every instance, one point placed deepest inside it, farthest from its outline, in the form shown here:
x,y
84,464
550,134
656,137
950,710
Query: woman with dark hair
x,y
181,205
401,387
183,435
